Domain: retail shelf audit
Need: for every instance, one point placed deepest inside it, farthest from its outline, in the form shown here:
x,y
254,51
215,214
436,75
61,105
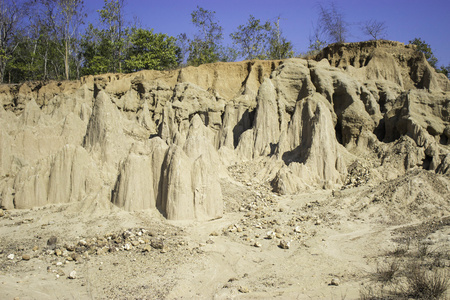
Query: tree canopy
x,y
51,39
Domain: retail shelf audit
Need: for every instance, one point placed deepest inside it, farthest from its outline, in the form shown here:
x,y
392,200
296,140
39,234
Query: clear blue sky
x,y
405,19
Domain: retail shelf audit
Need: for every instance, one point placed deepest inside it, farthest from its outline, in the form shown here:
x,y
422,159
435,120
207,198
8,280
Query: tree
x,y
423,47
316,41
111,17
332,23
252,38
375,29
205,47
279,47
150,50
10,17
445,70
71,15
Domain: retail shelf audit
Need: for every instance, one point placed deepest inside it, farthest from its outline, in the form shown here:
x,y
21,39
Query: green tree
x,y
252,39
423,47
332,23
279,46
103,47
10,17
69,16
205,47
150,50
445,70
112,20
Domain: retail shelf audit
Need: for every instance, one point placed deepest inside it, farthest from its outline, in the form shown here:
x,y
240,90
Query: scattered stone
x,y
58,252
157,244
73,275
257,245
214,233
35,248
270,235
147,248
297,229
244,289
75,256
26,257
284,244
335,282
11,256
127,247
1,213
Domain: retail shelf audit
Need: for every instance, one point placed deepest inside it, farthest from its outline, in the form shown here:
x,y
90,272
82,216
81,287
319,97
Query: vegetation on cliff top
x,y
48,39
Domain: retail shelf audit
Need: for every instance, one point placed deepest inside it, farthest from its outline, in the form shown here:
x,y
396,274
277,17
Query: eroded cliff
x,y
164,140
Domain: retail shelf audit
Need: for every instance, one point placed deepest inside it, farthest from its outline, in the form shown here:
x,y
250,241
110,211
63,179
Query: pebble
x,y
297,229
157,244
58,252
26,257
335,282
127,247
1,213
11,256
257,245
35,248
284,244
73,275
270,235
244,289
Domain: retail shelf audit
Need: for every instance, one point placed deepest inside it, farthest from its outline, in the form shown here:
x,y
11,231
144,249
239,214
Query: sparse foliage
x,y
279,46
252,39
332,23
375,29
316,41
205,47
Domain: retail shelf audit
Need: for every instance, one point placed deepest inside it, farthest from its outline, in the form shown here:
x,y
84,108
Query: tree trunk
x,y
66,60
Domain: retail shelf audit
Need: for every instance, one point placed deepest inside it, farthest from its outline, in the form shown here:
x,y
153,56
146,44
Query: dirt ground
x,y
320,244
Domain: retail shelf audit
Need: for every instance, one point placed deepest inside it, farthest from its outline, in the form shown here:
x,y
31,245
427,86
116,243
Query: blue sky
x,y
404,19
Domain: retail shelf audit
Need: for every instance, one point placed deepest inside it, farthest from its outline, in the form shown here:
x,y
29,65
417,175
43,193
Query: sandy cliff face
x,y
164,140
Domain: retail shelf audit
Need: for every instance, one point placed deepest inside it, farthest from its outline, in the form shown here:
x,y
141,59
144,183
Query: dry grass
x,y
386,272
426,284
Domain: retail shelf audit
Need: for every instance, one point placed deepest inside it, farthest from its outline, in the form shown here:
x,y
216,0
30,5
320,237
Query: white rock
x,y
73,274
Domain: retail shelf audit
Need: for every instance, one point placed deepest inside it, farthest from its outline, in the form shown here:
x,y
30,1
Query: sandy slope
x,y
335,240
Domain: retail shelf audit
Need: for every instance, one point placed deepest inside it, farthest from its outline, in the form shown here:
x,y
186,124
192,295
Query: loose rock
x,y
73,275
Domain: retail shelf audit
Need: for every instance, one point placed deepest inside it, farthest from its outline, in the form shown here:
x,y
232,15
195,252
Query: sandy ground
x,y
332,247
